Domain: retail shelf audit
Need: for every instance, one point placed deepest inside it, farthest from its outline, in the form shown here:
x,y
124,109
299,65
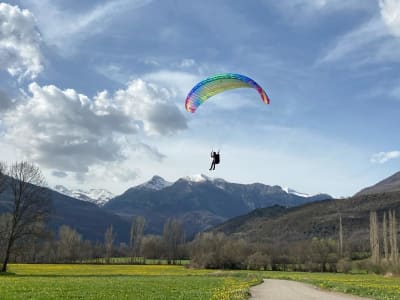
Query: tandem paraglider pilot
x,y
215,159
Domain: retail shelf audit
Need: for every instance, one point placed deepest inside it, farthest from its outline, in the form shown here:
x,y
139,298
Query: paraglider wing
x,y
218,83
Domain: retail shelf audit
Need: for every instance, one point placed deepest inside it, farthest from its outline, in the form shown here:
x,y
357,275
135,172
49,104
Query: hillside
x,y
390,184
87,218
198,201
278,224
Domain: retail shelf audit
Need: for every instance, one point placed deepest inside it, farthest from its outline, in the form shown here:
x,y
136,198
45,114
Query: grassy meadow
x,y
122,282
78,281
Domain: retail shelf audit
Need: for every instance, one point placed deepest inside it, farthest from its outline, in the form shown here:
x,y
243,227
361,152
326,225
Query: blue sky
x,y
93,92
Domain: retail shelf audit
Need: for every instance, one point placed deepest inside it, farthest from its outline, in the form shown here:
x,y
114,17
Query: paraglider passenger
x,y
215,159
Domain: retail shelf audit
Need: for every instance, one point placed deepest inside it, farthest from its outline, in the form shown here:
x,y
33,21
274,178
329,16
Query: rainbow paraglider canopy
x,y
219,83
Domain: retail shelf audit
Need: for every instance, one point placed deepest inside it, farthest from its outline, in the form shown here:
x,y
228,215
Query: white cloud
x,y
356,42
59,174
112,171
5,101
374,41
69,132
151,105
302,9
19,42
181,82
383,157
390,12
187,63
64,28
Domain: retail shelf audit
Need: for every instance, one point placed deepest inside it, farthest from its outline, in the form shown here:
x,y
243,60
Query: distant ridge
x,y
390,184
281,225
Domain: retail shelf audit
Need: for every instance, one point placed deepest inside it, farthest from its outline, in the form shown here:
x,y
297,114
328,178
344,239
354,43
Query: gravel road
x,y
274,289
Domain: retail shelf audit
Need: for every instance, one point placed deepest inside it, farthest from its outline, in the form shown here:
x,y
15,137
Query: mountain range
x,y
204,203
199,202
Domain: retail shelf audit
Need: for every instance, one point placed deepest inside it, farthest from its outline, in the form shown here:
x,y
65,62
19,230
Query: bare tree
x,y
394,251
384,233
69,244
340,236
137,228
31,205
3,177
152,247
173,237
373,237
108,242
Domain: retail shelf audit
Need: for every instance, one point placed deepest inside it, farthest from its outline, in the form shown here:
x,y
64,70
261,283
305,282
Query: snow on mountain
x,y
155,183
294,192
96,196
219,182
197,178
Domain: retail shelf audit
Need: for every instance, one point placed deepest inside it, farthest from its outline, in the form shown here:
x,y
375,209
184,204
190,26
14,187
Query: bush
x,y
258,261
343,265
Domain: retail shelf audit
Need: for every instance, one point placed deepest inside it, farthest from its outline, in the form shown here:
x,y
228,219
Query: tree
x,y
373,237
340,236
394,251
69,243
108,242
31,205
152,247
173,237
3,177
384,234
323,253
137,228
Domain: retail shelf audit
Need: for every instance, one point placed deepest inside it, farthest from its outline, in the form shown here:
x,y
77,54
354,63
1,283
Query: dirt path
x,y
275,289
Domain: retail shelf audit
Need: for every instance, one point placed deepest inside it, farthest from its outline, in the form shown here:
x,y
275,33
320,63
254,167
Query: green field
x,y
77,281
128,260
122,282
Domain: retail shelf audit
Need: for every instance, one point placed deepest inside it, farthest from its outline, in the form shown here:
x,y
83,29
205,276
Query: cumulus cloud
x,y
5,101
111,170
19,42
148,150
383,157
68,131
59,174
151,104
181,82
390,12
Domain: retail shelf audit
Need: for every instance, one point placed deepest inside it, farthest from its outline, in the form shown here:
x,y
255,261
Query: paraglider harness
x,y
216,158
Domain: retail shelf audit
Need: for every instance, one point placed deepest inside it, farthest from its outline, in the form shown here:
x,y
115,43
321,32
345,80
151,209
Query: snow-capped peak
x,y
294,192
155,183
197,178
96,196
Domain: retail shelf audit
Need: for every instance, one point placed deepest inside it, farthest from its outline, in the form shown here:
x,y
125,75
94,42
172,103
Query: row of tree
x,y
24,238
383,241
